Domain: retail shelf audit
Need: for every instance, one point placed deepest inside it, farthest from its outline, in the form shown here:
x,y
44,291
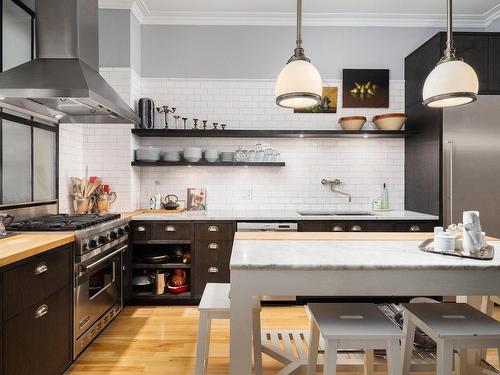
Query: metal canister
x,y
146,108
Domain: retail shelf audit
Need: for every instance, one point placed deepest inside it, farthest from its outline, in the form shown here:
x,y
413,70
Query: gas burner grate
x,y
61,222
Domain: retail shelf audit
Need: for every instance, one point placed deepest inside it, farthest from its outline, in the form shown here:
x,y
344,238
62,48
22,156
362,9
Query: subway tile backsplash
x,y
362,164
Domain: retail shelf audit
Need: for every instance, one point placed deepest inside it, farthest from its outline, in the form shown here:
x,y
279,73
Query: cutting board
x,y
176,211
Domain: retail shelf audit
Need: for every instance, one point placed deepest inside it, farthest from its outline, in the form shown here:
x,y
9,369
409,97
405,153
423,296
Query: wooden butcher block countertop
x,y
25,245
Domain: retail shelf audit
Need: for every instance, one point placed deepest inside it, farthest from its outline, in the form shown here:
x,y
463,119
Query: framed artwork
x,y
328,102
365,88
196,199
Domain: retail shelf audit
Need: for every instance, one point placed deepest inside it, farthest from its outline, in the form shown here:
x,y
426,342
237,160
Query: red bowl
x,y
178,289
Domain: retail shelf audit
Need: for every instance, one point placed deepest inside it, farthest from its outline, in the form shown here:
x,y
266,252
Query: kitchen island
x,y
343,264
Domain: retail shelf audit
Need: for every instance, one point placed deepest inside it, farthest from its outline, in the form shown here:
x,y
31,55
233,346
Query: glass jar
x,y
239,155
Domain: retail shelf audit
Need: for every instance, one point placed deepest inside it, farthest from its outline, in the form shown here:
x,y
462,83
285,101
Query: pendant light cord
x,y
299,51
449,52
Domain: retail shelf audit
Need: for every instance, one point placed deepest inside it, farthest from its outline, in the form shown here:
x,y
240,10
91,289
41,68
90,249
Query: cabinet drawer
x,y
327,226
171,231
141,231
214,231
370,226
415,227
212,274
212,253
38,341
35,280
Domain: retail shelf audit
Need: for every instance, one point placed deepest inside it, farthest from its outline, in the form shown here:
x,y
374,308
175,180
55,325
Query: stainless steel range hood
x,y
63,83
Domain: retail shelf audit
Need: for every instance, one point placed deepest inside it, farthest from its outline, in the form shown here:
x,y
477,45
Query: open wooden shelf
x,y
166,296
159,266
234,133
206,164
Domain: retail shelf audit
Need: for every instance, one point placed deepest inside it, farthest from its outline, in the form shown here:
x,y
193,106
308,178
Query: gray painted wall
x,y
494,27
135,43
114,38
260,52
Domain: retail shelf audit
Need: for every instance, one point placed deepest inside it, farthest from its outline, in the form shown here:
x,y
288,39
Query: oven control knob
x,y
126,228
121,231
113,235
102,239
92,244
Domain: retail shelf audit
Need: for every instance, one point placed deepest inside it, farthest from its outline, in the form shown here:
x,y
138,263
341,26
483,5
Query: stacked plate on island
x,y
226,157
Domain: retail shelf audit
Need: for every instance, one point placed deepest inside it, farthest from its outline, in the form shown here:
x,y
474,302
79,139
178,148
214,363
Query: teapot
x,y
5,220
171,202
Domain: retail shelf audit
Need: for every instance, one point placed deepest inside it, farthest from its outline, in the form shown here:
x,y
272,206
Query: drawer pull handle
x,y
41,268
356,228
41,311
213,270
141,229
213,246
338,228
170,228
213,228
415,228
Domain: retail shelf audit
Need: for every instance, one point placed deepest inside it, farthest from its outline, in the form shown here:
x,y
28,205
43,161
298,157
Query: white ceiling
x,y
423,13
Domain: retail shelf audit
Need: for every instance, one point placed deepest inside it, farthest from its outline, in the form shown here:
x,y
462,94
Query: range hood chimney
x,y
63,82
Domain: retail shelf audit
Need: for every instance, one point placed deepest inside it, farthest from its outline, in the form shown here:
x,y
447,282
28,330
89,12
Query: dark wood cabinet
x,y
424,147
368,226
140,231
38,340
171,231
494,63
474,49
37,300
212,253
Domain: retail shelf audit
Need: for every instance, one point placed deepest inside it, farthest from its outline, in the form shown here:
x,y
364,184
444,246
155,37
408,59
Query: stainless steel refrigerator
x,y
471,162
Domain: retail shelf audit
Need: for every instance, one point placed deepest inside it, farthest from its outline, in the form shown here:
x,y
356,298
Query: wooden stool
x,y
215,304
452,326
352,326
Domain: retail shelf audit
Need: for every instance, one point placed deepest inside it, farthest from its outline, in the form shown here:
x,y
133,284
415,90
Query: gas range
x,y
101,242
94,233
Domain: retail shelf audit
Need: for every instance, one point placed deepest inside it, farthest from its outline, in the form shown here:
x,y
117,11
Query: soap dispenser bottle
x,y
384,198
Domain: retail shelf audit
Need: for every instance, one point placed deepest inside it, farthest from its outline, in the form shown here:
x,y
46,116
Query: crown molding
x,y
492,15
149,17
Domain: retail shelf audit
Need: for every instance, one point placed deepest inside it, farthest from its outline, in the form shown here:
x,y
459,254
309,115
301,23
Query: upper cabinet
x,y
17,34
473,48
494,59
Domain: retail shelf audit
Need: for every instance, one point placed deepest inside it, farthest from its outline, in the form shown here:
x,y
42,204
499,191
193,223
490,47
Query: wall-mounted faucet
x,y
333,186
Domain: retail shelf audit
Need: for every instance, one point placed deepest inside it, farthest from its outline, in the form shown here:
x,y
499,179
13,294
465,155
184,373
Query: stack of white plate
x,y
147,154
171,156
212,155
226,156
192,154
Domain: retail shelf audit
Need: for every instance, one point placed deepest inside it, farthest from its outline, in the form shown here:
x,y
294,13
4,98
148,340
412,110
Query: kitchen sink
x,y
333,213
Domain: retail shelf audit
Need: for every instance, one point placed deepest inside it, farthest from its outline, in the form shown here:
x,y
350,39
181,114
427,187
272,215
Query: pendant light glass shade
x,y
299,83
452,82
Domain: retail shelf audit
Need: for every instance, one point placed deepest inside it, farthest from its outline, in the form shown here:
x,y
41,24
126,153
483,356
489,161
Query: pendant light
x,y
452,82
299,83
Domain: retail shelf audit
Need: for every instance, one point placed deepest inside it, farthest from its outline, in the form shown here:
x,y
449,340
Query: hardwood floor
x,y
162,340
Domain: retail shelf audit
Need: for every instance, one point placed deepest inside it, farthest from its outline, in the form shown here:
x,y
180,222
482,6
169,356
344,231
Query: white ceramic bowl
x,y
192,159
352,122
192,151
390,121
147,154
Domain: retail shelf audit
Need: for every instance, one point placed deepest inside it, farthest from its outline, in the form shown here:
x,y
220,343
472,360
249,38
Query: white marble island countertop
x,y
350,251
277,215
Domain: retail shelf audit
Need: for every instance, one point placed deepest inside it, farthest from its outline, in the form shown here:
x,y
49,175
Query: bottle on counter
x,y
157,196
384,197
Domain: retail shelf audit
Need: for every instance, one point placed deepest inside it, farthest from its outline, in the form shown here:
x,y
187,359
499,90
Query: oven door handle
x,y
92,265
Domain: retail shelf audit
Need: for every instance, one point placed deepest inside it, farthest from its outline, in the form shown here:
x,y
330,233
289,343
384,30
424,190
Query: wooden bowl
x,y
390,121
352,122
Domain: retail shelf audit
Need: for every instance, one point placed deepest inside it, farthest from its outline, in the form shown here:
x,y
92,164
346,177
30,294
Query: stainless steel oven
x,y
98,294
